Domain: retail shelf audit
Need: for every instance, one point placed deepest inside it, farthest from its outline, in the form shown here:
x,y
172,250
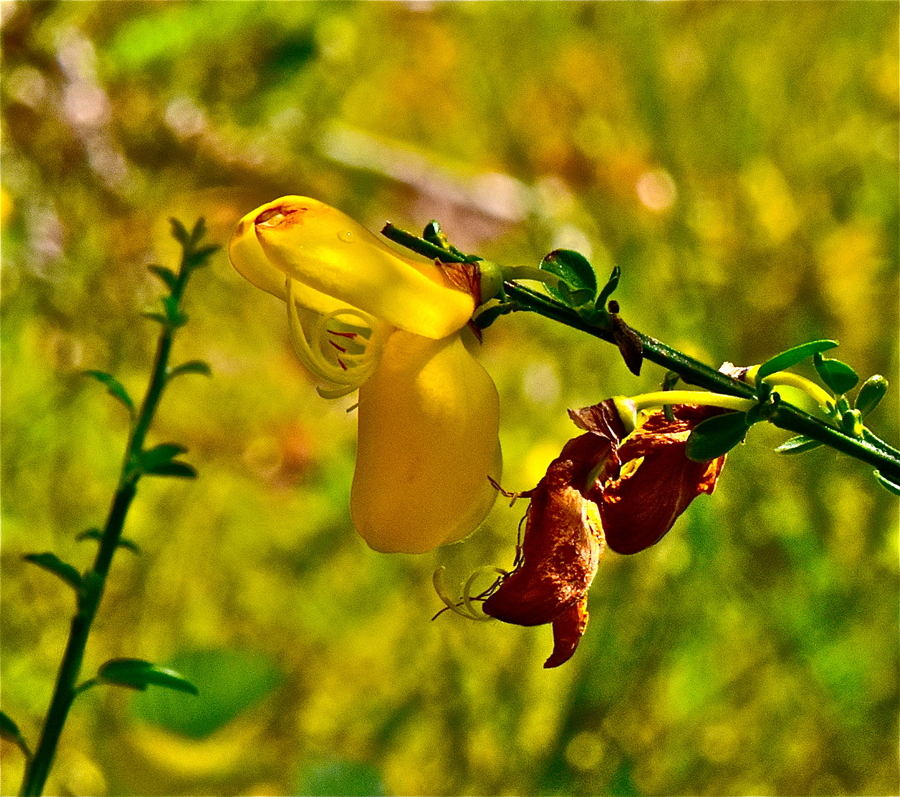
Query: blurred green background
x,y
737,160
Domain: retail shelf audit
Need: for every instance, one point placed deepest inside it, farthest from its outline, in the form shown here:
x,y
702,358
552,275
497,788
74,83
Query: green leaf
x,y
97,535
576,272
159,455
889,484
168,277
490,314
113,387
139,674
839,377
190,367
10,731
232,681
157,317
199,231
791,357
716,436
871,393
52,563
180,233
798,445
199,258
611,284
177,469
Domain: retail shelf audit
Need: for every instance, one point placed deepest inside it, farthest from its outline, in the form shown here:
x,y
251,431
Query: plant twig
x,y
92,583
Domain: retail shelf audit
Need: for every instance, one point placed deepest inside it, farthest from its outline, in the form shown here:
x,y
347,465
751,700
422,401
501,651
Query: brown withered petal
x,y
568,629
602,419
655,481
561,549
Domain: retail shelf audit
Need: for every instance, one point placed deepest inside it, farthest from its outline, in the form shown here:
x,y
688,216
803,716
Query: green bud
x,y
851,423
871,394
491,276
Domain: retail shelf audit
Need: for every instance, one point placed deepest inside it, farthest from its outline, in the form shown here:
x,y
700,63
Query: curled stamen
x,y
342,373
465,604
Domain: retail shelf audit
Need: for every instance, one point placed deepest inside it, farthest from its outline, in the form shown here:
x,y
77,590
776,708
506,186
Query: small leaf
x,y
157,317
113,387
838,376
177,469
791,357
97,535
490,314
576,272
199,258
871,394
798,445
199,231
716,436
10,731
889,484
52,563
168,276
190,367
139,674
180,233
159,455
611,284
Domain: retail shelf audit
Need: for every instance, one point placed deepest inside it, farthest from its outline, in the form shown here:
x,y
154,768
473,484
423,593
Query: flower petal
x,y
656,482
568,629
563,541
428,424
249,260
319,246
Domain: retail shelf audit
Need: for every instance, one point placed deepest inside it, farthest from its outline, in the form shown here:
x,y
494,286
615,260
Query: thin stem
x,y
868,449
694,372
94,580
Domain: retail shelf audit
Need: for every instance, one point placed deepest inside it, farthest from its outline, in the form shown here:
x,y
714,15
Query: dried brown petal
x,y
561,548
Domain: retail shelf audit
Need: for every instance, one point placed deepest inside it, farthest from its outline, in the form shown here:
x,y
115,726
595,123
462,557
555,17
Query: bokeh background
x,y
738,161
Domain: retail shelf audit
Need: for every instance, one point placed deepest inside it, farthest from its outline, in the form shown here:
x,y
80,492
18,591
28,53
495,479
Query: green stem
x,y
94,580
694,372
868,449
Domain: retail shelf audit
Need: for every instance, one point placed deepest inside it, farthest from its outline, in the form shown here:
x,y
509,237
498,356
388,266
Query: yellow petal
x,y
249,260
428,423
325,249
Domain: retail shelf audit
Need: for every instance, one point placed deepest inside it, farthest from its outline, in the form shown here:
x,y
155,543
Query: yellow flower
x,y
362,316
